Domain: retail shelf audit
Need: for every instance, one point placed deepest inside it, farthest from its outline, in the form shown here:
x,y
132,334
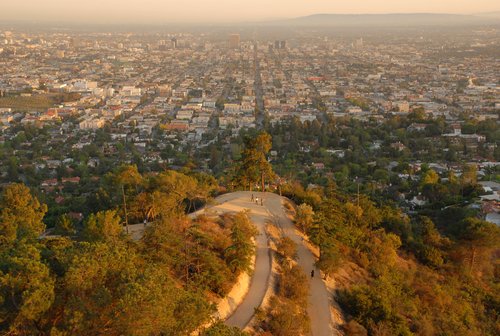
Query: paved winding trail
x,y
273,210
235,202
319,305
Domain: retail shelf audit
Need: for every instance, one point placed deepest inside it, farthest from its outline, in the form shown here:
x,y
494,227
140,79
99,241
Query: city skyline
x,y
220,11
249,169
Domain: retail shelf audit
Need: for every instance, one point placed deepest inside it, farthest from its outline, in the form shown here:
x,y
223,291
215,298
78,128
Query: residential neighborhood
x,y
73,106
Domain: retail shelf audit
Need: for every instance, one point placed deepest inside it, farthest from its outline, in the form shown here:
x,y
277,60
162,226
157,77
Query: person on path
x,y
312,274
252,198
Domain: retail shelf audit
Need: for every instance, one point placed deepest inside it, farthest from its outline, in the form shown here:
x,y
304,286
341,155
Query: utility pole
x,y
263,182
125,209
321,234
357,181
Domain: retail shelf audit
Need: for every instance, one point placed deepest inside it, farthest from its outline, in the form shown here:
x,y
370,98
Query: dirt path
x,y
319,305
235,202
271,210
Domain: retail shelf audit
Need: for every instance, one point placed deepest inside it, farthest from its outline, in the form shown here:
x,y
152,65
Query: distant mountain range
x,y
416,19
490,14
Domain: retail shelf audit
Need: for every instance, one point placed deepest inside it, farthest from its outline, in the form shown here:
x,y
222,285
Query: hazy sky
x,y
165,11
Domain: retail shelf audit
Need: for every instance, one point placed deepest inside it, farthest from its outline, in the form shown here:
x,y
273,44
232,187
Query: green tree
x,y
330,259
109,288
293,285
477,235
469,175
176,185
381,175
26,290
220,329
426,229
253,165
304,217
128,175
21,214
65,226
238,255
102,226
430,177
287,248
287,318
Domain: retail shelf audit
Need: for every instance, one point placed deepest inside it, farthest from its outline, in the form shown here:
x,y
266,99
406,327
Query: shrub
x,y
287,248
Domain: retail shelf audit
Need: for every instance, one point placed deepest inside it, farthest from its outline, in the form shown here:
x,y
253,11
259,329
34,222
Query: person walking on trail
x,y
312,274
262,201
252,198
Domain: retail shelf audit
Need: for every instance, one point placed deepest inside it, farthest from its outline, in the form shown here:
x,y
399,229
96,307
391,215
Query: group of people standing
x,y
256,199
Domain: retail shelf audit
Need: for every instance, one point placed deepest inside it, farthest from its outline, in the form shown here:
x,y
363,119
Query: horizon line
x,y
166,22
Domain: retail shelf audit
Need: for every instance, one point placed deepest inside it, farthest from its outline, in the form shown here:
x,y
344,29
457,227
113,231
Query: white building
x,y
92,123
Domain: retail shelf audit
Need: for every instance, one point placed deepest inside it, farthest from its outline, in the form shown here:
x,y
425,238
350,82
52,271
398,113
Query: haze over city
x,y
220,11
249,168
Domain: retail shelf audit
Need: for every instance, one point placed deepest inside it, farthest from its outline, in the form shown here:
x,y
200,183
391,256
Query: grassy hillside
x,y
414,276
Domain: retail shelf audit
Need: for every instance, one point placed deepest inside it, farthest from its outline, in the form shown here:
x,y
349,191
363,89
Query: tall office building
x,y
279,44
359,43
276,44
234,41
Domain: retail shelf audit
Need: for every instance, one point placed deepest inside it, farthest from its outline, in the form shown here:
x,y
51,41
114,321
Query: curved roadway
x,y
273,210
